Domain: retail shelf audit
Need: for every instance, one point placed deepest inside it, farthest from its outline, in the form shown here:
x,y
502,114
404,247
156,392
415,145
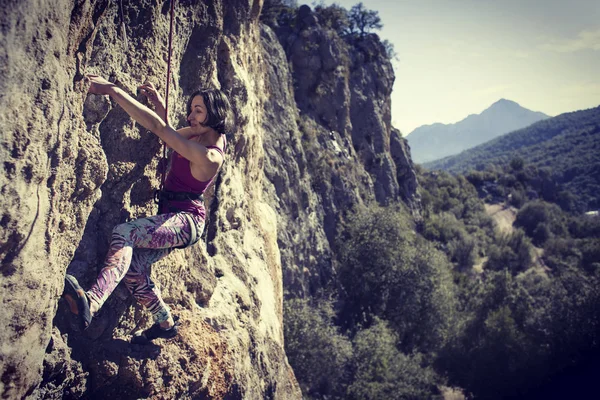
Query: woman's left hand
x,y
99,85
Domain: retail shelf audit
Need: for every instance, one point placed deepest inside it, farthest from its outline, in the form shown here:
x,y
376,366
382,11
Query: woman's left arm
x,y
193,151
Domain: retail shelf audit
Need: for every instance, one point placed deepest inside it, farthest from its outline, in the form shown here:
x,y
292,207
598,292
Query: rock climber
x,y
198,153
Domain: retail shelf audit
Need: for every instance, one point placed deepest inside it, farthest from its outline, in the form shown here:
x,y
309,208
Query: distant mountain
x,y
432,142
569,145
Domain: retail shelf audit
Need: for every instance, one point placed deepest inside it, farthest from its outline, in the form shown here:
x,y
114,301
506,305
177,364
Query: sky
x,y
458,57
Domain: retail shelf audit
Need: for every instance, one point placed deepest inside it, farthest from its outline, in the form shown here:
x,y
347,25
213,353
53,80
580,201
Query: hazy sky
x,y
457,57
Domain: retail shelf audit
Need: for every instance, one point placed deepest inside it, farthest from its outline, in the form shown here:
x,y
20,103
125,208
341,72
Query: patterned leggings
x,y
134,247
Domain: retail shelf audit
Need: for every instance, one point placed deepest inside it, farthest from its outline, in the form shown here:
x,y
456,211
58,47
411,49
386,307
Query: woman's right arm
x,y
149,90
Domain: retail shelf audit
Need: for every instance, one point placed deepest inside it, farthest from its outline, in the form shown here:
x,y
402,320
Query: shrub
x,y
333,17
388,271
459,245
277,13
475,177
382,372
492,356
390,52
517,198
517,164
511,252
317,352
539,212
463,251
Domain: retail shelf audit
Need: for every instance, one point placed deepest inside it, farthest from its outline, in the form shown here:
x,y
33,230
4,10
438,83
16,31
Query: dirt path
x,y
502,215
505,217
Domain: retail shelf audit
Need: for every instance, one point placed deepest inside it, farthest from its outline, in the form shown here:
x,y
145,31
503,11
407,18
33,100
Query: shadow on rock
x,y
115,349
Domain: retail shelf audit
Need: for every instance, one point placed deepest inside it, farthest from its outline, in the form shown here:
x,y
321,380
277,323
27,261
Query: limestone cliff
x,y
313,138
339,151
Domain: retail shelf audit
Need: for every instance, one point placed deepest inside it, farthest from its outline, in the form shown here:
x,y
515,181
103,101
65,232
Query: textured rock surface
x,y
341,149
74,166
313,138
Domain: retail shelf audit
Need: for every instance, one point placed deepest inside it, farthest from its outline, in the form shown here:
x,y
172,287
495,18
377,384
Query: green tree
x,y
491,355
536,213
362,20
517,164
512,252
381,372
317,351
388,271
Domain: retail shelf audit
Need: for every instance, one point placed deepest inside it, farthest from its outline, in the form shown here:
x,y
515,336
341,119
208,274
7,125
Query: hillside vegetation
x,y
409,314
564,149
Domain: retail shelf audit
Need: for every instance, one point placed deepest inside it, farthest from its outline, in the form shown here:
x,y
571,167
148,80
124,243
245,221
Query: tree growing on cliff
x,y
279,12
333,17
363,21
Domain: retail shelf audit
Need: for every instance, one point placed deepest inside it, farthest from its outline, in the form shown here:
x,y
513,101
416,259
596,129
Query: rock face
x,y
340,151
313,138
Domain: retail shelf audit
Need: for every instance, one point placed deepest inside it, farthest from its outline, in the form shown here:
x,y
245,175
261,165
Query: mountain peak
x,y
435,141
504,103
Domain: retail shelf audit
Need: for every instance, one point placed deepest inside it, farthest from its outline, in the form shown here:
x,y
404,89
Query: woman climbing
x,y
197,157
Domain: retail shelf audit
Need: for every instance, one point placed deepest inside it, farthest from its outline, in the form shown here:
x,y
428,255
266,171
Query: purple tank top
x,y
180,179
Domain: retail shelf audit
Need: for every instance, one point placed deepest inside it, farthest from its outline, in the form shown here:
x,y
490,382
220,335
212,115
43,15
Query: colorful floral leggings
x,y
134,247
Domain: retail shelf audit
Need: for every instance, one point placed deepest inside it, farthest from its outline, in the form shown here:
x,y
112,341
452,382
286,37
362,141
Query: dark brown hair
x,y
219,115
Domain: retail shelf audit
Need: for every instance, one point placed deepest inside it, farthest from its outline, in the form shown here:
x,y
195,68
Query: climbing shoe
x,y
78,301
154,332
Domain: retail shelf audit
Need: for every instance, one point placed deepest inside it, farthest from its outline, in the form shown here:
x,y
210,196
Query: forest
x,y
413,312
565,149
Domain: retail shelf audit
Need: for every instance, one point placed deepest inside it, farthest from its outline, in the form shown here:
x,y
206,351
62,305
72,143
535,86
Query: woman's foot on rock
x,y
154,332
78,301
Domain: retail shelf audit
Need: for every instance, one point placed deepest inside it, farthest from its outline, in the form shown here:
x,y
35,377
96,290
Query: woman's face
x,y
198,113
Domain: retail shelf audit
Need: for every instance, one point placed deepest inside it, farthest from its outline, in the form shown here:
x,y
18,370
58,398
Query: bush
x,y
492,356
583,254
390,51
333,17
277,13
538,212
516,198
463,252
517,164
317,352
459,245
512,252
382,372
389,272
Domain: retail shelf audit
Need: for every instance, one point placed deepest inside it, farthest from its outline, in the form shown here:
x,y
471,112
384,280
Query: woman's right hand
x,y
152,94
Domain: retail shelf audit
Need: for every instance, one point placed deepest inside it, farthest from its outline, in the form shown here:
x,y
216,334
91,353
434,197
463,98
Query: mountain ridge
x,y
436,141
565,143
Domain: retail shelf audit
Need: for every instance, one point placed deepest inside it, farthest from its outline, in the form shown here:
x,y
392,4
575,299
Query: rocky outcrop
x,y
313,139
348,153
